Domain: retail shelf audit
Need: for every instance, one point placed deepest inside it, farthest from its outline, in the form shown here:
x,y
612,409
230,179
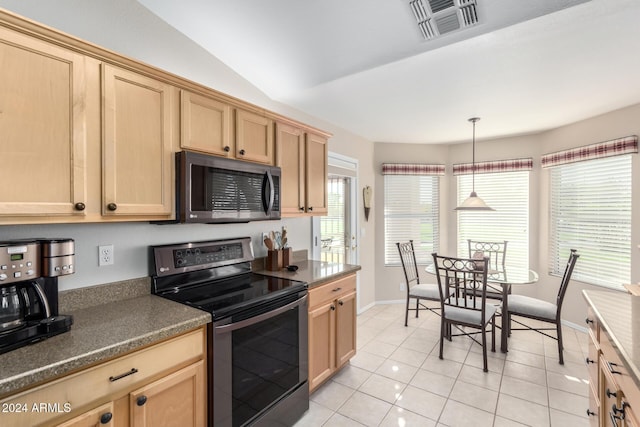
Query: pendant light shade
x,y
473,202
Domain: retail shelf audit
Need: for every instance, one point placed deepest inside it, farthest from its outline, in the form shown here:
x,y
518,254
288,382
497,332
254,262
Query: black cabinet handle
x,y
611,365
301,208
587,320
336,290
80,206
242,152
590,413
112,206
140,401
126,374
105,418
333,307
310,208
610,393
227,148
587,360
341,302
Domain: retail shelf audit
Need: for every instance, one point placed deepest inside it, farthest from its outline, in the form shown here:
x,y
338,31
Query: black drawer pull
x,y
587,320
141,400
590,413
126,374
336,290
610,393
611,365
589,361
105,418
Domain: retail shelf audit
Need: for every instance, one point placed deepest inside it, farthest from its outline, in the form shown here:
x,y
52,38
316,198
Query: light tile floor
x,y
397,379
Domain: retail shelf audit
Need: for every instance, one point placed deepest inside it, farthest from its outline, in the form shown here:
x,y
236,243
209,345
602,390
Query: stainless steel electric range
x,y
257,343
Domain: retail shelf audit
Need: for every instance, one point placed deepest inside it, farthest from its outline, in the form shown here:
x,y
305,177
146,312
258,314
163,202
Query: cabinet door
x,y
322,348
316,162
254,137
138,156
345,328
175,400
290,158
101,416
42,128
205,125
609,397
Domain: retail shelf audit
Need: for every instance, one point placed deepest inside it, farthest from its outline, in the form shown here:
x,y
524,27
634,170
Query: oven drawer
x,y
330,291
113,378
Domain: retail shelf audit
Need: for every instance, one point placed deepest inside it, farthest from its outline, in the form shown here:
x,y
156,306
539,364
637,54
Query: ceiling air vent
x,y
436,17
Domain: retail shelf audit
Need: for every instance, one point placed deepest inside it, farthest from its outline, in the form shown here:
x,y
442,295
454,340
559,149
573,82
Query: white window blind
x,y
411,212
508,194
591,212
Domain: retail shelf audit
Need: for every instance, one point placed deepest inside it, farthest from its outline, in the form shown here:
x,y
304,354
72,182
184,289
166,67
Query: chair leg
x,y
493,334
417,307
406,313
442,335
484,349
560,347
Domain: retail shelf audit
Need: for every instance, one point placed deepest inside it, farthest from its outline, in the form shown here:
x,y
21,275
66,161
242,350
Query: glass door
x,y
337,229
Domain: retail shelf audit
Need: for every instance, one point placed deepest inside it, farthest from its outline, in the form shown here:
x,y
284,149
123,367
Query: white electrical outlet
x,y
105,255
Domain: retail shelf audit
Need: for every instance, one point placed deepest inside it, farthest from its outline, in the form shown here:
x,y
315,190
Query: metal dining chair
x,y
497,253
415,289
463,298
537,309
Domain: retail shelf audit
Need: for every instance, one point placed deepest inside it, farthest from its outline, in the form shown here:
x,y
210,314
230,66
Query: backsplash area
x,y
131,241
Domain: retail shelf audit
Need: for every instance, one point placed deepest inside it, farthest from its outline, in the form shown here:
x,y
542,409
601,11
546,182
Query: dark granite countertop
x,y
619,315
314,272
98,333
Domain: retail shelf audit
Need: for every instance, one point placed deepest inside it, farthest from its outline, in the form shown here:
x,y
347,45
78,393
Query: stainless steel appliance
x,y
212,189
29,271
257,343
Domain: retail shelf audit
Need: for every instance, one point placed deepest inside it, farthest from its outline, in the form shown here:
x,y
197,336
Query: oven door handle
x,y
257,319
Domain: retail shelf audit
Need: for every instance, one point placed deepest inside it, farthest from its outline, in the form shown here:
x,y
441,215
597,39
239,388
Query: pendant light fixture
x,y
473,202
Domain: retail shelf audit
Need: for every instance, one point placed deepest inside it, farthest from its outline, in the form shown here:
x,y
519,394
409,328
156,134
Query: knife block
x,y
278,258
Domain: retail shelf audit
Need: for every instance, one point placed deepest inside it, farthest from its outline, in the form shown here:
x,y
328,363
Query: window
x,y
590,208
508,194
334,227
411,208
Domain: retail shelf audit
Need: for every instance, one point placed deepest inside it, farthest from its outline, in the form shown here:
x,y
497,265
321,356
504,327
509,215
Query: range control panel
x,y
185,257
19,261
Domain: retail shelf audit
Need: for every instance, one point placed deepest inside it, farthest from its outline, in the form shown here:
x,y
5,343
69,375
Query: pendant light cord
x,y
473,154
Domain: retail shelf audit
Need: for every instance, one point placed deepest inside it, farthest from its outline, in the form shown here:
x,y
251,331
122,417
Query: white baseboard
x,y
575,326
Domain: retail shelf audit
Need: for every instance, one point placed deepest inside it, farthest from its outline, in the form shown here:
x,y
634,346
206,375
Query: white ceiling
x,y
363,65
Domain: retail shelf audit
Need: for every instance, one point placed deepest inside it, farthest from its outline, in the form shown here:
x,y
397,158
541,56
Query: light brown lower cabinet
x,y
614,397
161,385
332,328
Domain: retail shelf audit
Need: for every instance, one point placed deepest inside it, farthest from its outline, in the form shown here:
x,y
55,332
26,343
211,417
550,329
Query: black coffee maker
x,y
29,271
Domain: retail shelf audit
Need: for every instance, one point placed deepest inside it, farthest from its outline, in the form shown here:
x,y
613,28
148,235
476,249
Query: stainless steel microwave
x,y
214,189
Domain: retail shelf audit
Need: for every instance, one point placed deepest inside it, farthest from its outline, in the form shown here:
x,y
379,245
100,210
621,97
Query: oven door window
x,y
266,364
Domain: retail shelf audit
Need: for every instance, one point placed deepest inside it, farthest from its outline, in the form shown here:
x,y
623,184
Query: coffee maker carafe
x,y
29,271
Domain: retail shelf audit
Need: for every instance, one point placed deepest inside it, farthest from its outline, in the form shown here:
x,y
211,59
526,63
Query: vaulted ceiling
x,y
526,66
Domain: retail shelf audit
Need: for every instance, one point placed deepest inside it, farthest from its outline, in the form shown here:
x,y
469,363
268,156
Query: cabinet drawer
x,y
612,365
72,392
331,290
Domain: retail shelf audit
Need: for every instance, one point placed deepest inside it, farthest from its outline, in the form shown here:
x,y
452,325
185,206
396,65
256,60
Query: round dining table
x,y
505,277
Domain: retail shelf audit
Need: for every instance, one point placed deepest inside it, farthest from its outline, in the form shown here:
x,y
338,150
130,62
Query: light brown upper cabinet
x,y
138,158
316,179
205,125
254,137
43,138
303,160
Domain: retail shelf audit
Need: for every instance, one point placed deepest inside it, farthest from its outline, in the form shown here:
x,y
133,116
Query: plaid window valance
x,y
614,147
411,169
495,166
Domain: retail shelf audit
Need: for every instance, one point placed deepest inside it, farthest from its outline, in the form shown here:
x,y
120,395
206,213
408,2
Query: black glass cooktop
x,y
225,297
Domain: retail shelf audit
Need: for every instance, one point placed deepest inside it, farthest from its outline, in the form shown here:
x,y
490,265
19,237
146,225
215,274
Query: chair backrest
x,y
408,259
566,277
462,282
496,251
